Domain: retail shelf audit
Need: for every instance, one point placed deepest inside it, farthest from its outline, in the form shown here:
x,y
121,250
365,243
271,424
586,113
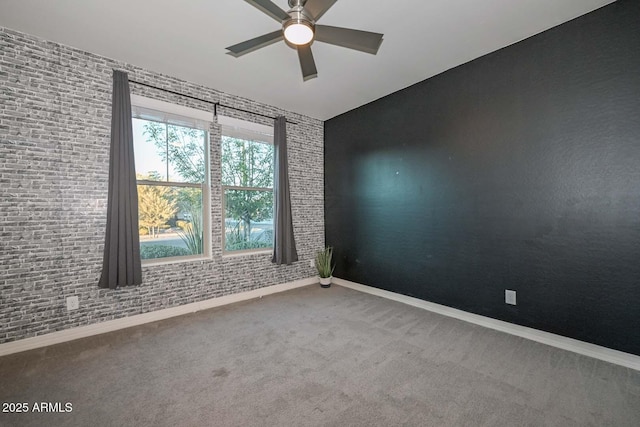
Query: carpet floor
x,y
314,357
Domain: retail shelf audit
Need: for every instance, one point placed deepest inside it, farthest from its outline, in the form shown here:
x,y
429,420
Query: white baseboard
x,y
139,319
598,352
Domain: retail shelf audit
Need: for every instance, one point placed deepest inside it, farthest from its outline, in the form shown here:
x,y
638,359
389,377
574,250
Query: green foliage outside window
x,y
155,207
176,209
182,149
247,177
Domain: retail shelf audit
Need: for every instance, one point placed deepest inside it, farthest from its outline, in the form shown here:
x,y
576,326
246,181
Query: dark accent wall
x,y
519,170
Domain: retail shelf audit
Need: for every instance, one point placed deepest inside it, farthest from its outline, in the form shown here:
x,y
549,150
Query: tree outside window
x,y
247,182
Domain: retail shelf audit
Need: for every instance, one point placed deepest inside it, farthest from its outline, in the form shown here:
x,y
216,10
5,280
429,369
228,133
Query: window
x,y
247,185
171,156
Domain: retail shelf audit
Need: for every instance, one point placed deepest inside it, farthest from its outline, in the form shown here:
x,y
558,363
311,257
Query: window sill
x,y
235,254
173,260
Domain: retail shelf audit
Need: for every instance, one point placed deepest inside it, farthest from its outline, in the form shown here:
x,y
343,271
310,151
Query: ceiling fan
x,y
299,30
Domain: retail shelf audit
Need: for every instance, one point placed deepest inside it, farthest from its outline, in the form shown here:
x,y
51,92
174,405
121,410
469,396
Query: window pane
x,y
169,152
149,144
186,154
170,220
248,219
246,163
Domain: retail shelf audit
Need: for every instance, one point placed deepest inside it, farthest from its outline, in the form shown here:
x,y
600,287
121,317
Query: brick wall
x,y
55,105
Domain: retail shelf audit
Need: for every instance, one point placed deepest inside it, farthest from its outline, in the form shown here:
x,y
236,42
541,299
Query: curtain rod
x,y
215,104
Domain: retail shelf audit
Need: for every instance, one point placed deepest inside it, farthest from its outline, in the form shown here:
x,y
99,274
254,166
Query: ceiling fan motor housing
x,y
297,17
297,3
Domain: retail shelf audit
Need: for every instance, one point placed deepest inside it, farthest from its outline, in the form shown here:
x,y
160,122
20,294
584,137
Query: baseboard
x,y
139,319
587,349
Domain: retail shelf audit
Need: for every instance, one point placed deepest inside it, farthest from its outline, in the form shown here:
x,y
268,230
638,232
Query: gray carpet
x,y
311,356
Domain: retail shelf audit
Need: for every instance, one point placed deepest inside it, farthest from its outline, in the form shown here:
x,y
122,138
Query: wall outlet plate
x,y
510,297
312,263
73,303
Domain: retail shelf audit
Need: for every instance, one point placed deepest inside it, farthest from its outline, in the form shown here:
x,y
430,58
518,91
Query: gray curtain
x,y
284,245
121,262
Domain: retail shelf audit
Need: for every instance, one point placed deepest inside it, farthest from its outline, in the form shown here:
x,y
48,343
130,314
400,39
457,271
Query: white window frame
x,y
167,113
248,131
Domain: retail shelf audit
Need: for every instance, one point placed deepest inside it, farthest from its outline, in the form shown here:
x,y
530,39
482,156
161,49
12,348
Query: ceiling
x,y
187,39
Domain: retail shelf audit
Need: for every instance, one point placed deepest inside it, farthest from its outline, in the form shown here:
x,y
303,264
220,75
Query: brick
x,y
54,150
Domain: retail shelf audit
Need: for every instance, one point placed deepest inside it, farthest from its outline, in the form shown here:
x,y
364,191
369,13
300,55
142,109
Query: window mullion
x,y
237,187
170,183
166,140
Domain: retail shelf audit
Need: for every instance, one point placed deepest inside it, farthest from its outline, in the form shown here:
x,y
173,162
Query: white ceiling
x,y
187,39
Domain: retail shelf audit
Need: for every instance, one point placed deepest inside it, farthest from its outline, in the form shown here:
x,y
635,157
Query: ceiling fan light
x,y
298,33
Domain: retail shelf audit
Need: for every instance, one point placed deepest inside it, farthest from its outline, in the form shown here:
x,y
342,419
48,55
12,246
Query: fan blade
x,y
307,64
270,9
316,8
363,41
254,44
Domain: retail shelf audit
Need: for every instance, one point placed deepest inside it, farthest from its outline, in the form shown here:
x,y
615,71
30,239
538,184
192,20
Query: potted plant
x,y
324,267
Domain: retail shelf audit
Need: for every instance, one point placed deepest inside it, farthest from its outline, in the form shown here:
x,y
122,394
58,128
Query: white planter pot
x,y
325,282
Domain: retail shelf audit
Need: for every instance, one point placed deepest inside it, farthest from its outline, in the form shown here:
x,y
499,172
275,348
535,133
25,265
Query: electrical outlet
x,y
312,263
73,303
510,297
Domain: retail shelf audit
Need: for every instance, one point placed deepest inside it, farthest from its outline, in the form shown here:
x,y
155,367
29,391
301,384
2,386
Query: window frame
x,y
264,135
176,115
